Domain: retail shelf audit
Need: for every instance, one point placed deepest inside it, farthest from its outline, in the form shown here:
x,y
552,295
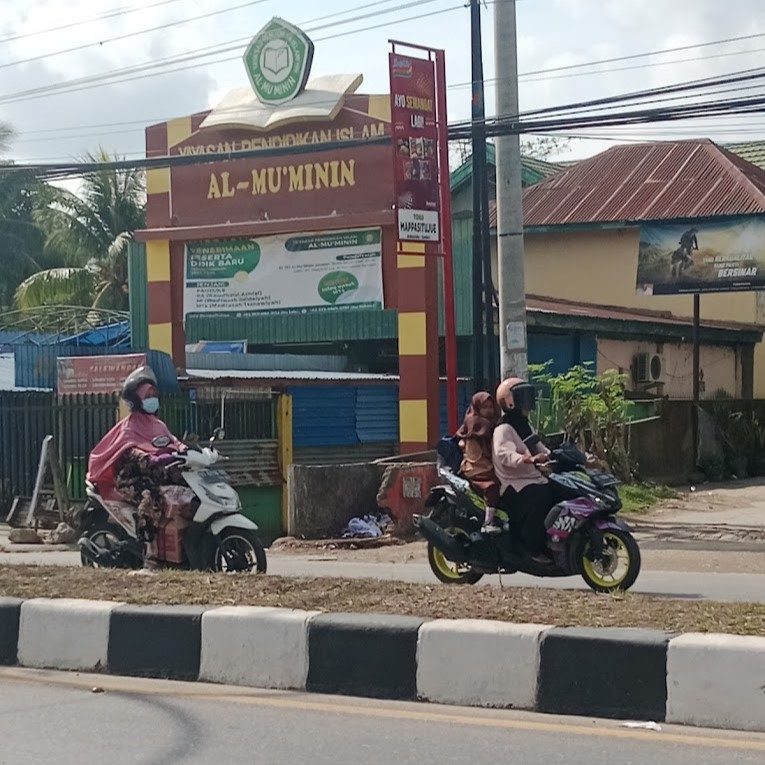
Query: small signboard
x,y
95,374
415,147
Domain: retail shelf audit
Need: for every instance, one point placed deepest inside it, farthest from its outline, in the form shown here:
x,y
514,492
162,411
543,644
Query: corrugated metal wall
x,y
349,416
35,365
295,328
139,289
565,351
377,413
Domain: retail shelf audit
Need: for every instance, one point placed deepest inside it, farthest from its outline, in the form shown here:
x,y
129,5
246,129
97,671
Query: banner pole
x,y
450,330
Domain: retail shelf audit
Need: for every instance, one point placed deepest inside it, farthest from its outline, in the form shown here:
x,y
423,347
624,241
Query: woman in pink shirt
x,y
526,493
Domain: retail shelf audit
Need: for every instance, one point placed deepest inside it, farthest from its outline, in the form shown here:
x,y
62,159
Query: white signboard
x,y
300,273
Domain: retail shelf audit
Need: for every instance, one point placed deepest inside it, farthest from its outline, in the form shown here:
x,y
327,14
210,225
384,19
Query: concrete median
x,y
717,681
710,680
259,647
479,663
65,634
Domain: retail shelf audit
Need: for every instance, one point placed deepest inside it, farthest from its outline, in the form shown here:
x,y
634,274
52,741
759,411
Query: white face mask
x,y
150,405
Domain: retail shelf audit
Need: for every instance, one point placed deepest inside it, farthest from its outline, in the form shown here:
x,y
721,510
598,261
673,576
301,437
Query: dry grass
x,y
556,607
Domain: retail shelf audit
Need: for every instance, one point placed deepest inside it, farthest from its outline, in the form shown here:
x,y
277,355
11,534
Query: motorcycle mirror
x,y
219,434
190,438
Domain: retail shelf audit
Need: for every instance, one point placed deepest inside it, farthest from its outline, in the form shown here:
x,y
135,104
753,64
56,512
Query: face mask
x,y
150,405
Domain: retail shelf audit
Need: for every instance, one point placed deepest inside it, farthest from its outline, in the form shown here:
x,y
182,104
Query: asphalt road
x,y
676,584
48,717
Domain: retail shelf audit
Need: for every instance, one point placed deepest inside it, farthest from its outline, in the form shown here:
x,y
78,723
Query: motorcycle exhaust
x,y
91,550
433,533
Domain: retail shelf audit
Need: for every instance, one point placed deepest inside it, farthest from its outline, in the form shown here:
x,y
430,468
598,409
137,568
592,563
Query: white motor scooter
x,y
203,527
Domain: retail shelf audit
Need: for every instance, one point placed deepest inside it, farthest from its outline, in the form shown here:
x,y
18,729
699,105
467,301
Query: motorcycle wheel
x,y
245,547
618,568
107,535
447,571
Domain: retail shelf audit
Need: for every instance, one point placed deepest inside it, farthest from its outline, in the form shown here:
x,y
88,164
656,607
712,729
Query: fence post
x,y
285,452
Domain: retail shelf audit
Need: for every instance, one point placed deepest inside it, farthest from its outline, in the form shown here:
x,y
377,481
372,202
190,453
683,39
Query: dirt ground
x,y
524,605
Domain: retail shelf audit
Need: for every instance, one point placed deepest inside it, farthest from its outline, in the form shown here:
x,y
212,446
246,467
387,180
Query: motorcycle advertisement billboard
x,y
716,256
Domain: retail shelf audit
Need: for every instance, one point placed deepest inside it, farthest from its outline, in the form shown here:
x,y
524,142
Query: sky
x,y
205,41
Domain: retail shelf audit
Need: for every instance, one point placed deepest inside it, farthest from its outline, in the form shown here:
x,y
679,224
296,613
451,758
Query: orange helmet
x,y
515,393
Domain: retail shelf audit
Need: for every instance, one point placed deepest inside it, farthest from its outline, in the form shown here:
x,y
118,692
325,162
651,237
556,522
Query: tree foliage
x,y
593,411
92,228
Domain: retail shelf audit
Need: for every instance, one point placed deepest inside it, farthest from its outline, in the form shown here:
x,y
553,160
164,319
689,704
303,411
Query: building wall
x,y
600,267
721,366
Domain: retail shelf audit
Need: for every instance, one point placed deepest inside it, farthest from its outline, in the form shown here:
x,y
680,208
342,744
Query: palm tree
x,y
21,239
93,228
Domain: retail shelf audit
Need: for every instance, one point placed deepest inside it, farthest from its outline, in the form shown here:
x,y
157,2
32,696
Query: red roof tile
x,y
651,181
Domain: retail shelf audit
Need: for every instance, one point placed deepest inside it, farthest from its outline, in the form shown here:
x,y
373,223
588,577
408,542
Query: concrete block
x,y
479,663
363,655
10,612
258,647
156,641
609,672
717,681
65,633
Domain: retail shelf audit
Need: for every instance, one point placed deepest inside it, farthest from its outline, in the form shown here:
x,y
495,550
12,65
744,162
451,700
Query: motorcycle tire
x,y
241,539
104,529
447,571
600,575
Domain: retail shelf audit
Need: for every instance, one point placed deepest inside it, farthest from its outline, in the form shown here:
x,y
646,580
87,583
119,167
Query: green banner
x,y
340,270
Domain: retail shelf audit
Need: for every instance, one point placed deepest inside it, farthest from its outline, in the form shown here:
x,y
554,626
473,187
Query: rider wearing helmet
x,y
526,494
131,461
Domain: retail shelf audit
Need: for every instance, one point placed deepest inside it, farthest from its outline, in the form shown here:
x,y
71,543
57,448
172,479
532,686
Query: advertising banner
x,y
95,374
415,147
300,273
720,256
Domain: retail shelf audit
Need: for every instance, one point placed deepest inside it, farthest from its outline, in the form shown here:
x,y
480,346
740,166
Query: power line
x,y
633,56
127,35
102,17
194,60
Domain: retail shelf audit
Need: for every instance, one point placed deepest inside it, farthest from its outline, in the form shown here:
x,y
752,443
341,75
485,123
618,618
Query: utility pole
x,y
512,281
478,148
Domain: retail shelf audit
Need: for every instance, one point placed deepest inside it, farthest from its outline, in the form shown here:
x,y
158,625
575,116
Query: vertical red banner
x,y
415,146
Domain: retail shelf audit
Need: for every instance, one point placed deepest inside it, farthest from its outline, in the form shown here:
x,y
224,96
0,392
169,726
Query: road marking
x,y
296,701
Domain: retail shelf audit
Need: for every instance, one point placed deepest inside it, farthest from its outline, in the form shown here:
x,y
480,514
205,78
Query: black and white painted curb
x,y
709,680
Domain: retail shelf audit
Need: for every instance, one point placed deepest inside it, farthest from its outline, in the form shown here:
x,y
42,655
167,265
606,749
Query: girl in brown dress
x,y
476,443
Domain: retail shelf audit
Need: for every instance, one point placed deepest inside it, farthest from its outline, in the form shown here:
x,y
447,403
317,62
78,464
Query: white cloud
x,y
552,33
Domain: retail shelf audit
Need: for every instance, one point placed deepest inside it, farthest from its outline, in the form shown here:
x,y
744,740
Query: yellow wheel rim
x,y
449,568
612,569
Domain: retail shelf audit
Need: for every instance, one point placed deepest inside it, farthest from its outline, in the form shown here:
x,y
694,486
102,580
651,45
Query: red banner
x,y
95,374
415,147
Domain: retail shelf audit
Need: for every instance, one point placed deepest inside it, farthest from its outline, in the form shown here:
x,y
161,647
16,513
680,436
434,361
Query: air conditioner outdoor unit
x,y
649,368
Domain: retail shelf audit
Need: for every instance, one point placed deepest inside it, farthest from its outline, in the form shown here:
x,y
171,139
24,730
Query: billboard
x,y
95,374
719,256
297,273
415,147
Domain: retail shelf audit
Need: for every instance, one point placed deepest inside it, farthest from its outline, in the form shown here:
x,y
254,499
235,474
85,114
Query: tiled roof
x,y
751,151
652,181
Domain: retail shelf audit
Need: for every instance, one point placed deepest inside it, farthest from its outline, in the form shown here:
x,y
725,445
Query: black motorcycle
x,y
584,536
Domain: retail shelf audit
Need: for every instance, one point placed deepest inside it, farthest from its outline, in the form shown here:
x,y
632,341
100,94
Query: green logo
x,y
278,62
333,286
